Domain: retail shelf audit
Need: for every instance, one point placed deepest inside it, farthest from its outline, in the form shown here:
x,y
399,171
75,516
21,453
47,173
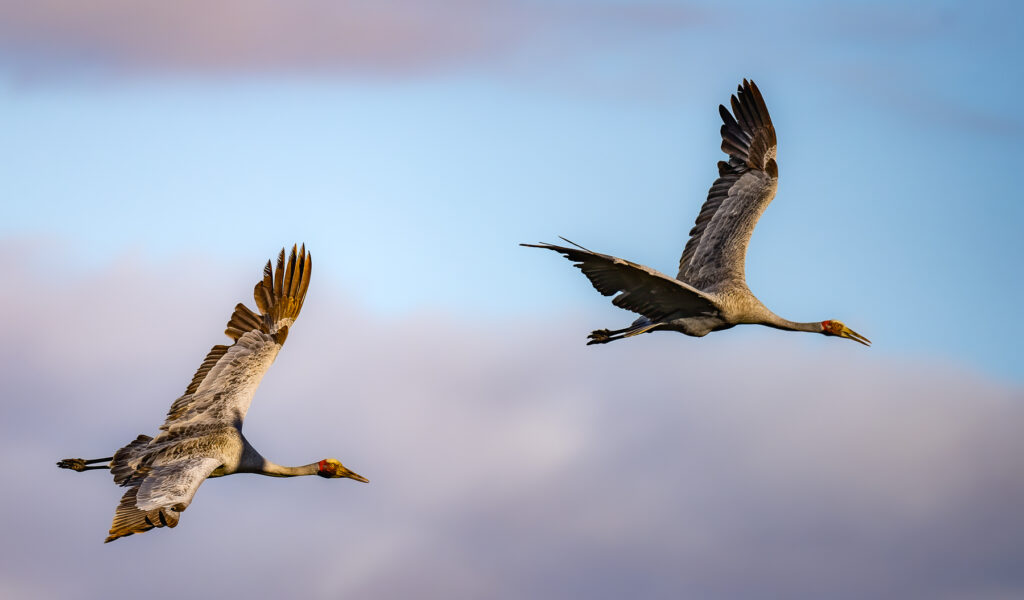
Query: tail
x,y
128,459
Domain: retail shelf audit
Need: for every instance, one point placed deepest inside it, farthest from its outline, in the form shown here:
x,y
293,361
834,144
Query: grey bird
x,y
202,434
710,292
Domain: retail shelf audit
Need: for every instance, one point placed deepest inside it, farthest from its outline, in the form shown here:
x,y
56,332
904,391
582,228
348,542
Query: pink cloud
x,y
314,35
506,458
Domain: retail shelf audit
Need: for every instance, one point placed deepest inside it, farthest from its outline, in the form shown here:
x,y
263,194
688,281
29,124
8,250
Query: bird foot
x,y
599,336
76,464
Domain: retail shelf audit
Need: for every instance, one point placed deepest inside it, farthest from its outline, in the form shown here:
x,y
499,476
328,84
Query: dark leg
x,y
79,464
603,336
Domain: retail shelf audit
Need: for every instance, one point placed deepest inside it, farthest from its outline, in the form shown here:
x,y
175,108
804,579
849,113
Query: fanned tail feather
x,y
125,460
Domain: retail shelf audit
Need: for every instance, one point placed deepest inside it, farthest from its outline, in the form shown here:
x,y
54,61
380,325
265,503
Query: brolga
x,y
710,292
202,434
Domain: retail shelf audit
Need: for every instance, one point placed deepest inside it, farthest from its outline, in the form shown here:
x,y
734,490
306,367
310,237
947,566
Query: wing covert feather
x,y
163,473
640,289
716,250
225,382
158,495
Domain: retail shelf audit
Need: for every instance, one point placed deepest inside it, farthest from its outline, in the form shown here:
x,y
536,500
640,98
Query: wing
x,y
157,495
223,386
641,289
717,248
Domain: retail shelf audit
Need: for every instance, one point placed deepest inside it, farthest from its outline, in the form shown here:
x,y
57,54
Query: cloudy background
x,y
153,156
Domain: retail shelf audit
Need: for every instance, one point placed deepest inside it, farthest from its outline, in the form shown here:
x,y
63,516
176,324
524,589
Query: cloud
x,y
506,459
306,35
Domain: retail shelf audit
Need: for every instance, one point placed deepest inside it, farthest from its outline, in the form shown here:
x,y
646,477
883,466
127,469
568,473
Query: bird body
x,y
202,434
710,292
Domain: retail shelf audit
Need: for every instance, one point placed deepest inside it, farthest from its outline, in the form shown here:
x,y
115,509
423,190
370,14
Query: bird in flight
x,y
710,292
202,434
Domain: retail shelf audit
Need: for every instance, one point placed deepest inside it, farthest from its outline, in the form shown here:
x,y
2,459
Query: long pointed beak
x,y
853,335
343,472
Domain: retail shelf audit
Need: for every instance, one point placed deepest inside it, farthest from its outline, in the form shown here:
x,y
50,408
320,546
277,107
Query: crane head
x,y
837,328
331,468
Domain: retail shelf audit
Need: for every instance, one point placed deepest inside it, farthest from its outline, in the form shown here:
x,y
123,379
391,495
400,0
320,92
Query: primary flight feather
x,y
710,292
202,434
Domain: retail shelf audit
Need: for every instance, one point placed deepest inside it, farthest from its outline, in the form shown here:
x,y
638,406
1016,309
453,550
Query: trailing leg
x,y
79,464
603,336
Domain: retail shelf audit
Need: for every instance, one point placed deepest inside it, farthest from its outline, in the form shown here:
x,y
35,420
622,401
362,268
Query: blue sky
x,y
413,183
152,156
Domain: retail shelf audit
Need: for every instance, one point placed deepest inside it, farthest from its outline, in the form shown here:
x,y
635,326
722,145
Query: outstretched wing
x,y
223,386
717,248
641,289
158,494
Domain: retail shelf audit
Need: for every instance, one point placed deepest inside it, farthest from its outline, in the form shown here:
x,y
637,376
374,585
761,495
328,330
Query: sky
x,y
154,156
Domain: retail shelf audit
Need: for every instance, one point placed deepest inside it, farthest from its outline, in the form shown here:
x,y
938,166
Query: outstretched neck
x,y
779,323
253,462
276,470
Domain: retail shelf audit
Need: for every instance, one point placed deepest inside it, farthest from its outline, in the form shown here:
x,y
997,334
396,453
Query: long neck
x,y
773,320
276,470
253,462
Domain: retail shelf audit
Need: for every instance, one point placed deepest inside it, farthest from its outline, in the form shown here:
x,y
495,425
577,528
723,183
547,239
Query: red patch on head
x,y
322,464
826,325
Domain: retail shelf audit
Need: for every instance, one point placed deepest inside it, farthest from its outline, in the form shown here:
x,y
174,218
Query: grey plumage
x,y
202,434
709,292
